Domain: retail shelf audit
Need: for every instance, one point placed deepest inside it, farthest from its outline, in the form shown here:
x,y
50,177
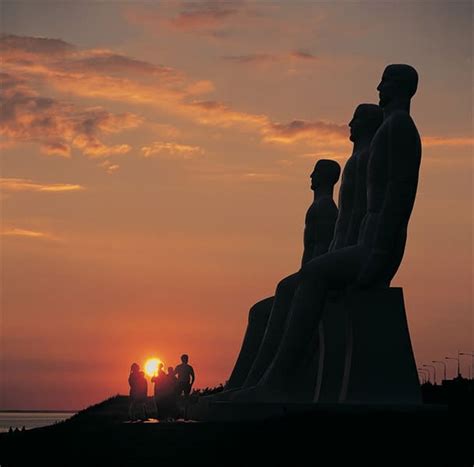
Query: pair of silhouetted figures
x,y
168,388
349,250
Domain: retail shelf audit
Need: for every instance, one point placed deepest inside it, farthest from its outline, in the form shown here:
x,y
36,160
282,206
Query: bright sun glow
x,y
151,366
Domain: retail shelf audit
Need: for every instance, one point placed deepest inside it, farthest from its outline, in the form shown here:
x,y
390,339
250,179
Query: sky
x,y
155,161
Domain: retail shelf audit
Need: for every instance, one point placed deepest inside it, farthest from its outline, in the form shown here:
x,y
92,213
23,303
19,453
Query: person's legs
x,y
131,409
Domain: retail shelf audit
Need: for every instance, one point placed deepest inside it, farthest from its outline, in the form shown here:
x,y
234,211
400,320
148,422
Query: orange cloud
x,y
173,150
109,167
57,126
24,233
23,184
298,130
435,141
100,73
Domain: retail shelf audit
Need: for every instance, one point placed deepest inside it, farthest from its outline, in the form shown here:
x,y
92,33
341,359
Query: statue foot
x,y
261,393
222,396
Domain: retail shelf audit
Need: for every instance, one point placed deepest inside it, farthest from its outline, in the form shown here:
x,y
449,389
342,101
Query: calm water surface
x,y
30,420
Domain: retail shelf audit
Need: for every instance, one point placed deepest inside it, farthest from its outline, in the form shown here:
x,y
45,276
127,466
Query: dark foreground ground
x,y
434,435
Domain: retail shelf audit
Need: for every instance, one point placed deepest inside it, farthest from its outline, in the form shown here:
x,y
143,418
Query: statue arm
x,y
403,164
325,225
308,251
308,239
346,207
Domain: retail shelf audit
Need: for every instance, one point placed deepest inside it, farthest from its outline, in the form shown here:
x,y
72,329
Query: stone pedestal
x,y
366,355
380,366
332,352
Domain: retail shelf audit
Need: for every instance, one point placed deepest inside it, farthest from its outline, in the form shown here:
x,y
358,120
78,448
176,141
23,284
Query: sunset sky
x,y
155,162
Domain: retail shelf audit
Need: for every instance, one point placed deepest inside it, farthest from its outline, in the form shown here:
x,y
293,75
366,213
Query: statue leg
x,y
257,323
274,330
336,270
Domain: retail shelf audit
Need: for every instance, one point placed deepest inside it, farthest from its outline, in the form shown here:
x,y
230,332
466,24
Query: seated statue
x,y
352,206
392,178
266,322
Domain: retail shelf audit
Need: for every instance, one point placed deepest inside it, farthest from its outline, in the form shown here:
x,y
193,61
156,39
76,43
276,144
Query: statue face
x,y
314,180
398,81
388,87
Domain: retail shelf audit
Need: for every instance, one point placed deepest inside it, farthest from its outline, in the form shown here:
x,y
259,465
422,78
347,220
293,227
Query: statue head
x,y
135,367
399,82
171,370
326,173
184,358
365,122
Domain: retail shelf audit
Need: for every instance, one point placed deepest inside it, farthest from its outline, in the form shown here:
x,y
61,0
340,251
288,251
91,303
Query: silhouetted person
x,y
168,399
185,376
159,381
138,392
392,179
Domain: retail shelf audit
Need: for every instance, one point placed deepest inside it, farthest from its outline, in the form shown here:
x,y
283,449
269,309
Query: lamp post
x,y
442,363
434,370
471,367
459,368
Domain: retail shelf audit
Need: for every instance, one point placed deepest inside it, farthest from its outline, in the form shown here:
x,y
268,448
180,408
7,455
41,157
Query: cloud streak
x,y
172,150
24,233
23,184
441,141
267,58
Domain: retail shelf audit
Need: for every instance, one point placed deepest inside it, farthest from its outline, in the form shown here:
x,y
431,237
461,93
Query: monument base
x,y
261,411
366,355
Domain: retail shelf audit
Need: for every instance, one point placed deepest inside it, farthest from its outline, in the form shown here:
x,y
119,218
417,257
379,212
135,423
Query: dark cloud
x,y
252,58
35,45
205,14
263,58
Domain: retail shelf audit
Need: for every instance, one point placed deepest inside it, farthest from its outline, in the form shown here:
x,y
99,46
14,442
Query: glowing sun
x,y
151,366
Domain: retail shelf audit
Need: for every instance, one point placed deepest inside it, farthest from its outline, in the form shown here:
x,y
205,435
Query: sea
x,y
30,420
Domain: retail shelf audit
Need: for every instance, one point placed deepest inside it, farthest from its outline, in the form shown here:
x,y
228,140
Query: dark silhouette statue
x,y
370,264
352,206
267,318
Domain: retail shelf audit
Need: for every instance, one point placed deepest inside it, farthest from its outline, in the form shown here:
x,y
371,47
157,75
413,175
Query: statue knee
x,y
261,310
285,285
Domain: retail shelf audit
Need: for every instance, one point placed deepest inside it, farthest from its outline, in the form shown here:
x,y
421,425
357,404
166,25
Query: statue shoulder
x,y
325,207
401,121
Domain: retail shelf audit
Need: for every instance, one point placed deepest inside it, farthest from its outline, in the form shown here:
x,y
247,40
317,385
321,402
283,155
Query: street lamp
x,y
442,363
471,367
459,368
424,373
434,370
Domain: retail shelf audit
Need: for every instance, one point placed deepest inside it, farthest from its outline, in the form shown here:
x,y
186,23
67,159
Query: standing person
x,y
169,394
185,374
159,381
138,392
